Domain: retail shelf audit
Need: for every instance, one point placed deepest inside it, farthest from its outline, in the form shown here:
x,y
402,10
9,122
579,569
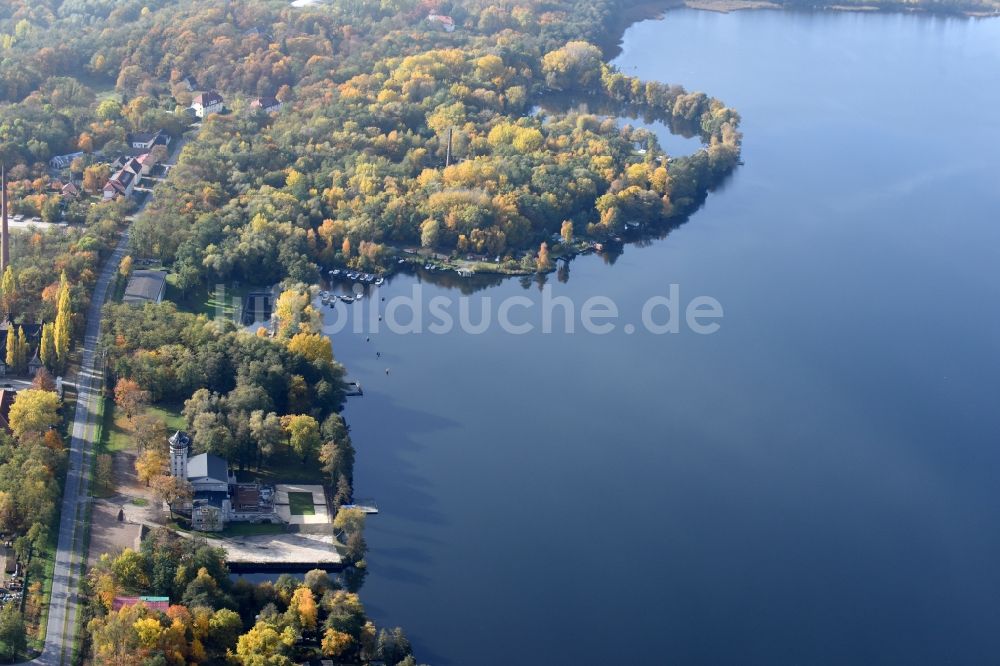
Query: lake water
x,y
815,483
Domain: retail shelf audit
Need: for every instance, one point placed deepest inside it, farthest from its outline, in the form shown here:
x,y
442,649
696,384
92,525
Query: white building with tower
x,y
211,481
218,498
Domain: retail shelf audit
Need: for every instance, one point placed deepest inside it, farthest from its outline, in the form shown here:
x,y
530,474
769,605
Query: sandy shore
x,y
726,6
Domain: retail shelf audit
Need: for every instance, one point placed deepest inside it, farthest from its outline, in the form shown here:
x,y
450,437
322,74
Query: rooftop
x,y
145,286
208,466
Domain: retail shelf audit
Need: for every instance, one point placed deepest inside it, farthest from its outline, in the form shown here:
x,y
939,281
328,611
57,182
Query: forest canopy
x,y
394,132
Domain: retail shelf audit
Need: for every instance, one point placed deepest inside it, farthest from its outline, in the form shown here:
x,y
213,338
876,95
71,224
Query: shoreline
x,y
656,9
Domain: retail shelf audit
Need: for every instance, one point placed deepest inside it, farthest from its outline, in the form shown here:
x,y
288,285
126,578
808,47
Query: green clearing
x,y
170,413
211,302
301,504
284,467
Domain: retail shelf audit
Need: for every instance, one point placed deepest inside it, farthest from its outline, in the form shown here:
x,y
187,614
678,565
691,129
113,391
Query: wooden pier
x,y
363,505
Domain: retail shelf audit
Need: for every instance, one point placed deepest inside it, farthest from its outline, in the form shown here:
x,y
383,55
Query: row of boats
x,y
356,276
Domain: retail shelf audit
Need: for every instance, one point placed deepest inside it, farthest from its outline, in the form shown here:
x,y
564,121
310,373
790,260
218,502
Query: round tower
x,y
180,442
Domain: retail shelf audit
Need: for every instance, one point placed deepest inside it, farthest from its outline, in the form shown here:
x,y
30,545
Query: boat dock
x,y
363,505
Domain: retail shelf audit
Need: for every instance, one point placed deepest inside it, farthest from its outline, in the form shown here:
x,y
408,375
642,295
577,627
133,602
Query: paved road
x,y
65,583
64,602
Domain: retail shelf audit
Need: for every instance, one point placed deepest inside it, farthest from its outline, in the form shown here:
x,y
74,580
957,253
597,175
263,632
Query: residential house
x,y
146,163
145,141
70,190
444,21
121,184
207,103
266,104
33,335
123,181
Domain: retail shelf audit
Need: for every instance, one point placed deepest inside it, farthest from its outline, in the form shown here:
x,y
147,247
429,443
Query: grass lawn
x,y
116,434
171,415
208,300
301,504
285,468
114,431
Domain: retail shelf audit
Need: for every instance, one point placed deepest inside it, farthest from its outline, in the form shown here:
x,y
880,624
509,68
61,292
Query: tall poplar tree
x,y
63,324
8,288
21,350
47,347
11,356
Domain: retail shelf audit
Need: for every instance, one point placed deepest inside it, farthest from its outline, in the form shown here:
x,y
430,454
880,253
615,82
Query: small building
x,y
64,161
160,604
207,103
145,286
70,190
146,163
267,104
33,336
35,364
6,401
145,141
444,21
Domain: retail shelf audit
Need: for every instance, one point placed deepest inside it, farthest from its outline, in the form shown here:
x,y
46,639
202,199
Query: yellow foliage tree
x,y
335,643
264,646
567,231
304,605
150,464
544,262
295,313
64,322
33,413
314,346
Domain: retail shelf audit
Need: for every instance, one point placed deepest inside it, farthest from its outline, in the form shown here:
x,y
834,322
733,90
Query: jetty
x,y
363,505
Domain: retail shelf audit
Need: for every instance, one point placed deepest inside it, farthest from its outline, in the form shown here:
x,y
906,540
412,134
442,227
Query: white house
x,y
207,103
146,140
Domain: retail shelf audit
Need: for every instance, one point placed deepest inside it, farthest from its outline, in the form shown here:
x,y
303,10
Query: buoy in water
x,y
387,371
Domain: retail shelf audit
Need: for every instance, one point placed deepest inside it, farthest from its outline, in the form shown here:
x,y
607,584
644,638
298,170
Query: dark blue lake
x,y
816,482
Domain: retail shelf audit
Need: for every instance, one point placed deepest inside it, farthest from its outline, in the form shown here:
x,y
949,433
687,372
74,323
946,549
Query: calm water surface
x,y
817,482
